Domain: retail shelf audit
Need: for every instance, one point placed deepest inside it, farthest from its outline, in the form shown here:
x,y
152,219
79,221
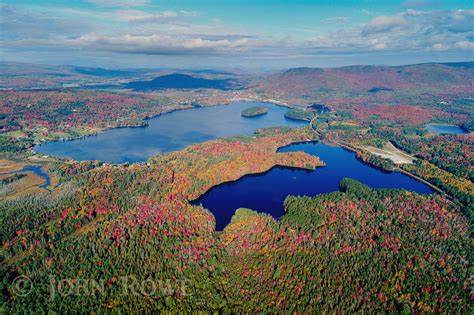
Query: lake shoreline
x,y
100,130
333,144
455,129
144,125
84,151
276,166
397,169
265,191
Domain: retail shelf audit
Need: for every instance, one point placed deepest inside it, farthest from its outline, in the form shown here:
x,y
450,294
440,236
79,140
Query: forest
x,y
358,249
299,114
355,250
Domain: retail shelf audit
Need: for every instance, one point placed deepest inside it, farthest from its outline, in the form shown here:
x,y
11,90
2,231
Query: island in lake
x,y
254,111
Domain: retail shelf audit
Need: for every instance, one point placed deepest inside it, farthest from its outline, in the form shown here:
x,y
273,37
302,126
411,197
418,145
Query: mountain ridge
x,y
180,81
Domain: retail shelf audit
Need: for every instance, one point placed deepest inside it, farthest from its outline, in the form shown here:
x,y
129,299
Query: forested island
x,y
254,111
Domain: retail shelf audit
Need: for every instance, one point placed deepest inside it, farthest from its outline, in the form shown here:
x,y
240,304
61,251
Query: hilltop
x,y
180,81
429,77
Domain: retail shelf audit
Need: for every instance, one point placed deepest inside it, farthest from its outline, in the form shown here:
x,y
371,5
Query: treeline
x,y
453,153
383,163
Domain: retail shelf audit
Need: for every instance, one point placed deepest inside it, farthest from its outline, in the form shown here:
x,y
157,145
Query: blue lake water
x,y
263,192
266,192
440,129
170,132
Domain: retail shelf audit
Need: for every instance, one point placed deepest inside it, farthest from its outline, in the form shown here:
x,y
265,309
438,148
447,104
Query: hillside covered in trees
x,y
430,77
355,250
127,238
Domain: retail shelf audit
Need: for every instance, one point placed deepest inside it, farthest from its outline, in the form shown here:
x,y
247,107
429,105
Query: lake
x,y
169,132
261,192
440,129
266,192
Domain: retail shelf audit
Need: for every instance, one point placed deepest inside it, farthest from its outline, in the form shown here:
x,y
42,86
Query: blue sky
x,y
235,34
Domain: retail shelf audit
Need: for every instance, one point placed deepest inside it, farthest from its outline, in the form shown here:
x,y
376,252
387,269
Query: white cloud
x,y
376,44
148,44
19,24
439,47
380,46
382,24
142,17
135,31
465,45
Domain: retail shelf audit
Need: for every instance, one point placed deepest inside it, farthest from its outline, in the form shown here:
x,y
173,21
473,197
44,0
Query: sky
x,y
229,34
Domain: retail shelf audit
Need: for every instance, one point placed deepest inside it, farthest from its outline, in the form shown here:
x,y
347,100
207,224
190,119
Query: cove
x,y
38,171
169,132
266,192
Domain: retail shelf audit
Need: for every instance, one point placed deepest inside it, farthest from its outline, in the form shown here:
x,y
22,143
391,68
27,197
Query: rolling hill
x,y
180,81
430,77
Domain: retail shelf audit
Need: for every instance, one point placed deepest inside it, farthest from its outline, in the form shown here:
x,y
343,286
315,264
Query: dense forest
x,y
359,249
355,250
126,238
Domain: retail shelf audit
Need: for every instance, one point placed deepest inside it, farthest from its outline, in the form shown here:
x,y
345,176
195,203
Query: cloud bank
x,y
132,31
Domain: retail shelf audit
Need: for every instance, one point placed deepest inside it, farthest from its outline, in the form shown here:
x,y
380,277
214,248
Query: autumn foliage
x,y
356,250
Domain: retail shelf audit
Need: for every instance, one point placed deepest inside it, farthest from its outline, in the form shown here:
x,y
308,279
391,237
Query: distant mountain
x,y
23,76
211,71
100,72
180,81
36,76
468,64
429,77
17,68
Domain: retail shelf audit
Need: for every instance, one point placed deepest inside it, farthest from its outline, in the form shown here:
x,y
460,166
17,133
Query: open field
x,y
8,166
392,153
